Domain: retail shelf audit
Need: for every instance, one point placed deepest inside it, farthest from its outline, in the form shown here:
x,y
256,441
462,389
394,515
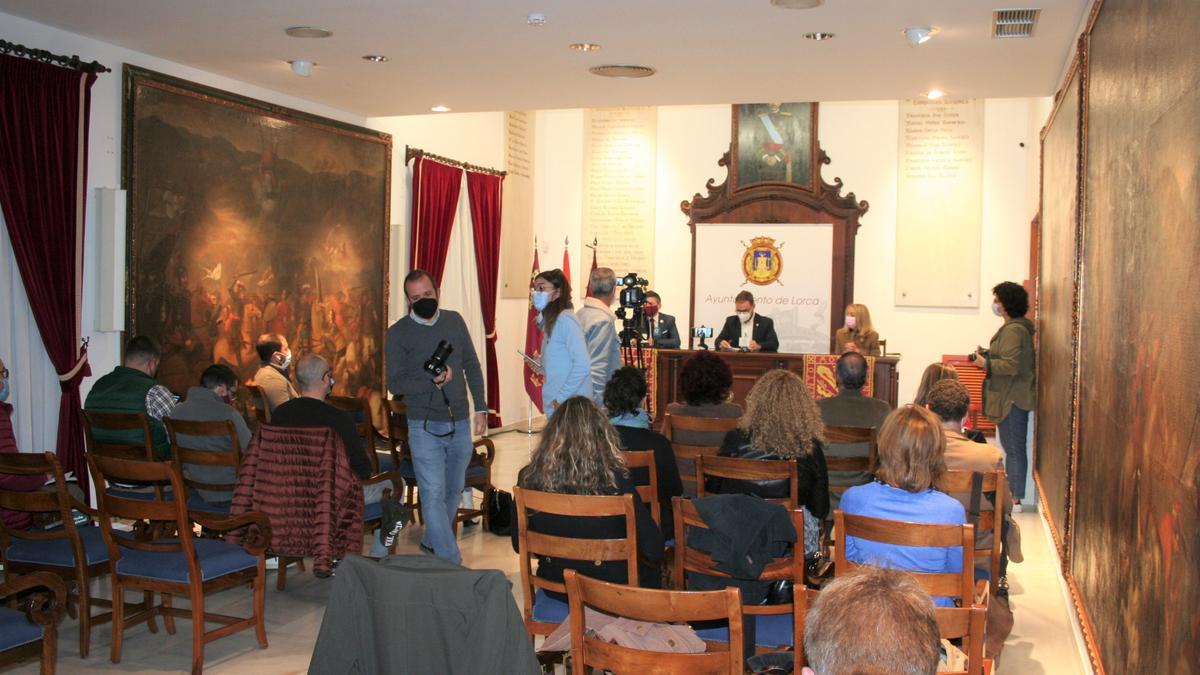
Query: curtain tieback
x,y
79,364
490,336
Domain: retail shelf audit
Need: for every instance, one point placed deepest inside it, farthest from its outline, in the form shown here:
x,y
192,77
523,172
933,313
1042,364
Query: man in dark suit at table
x,y
658,329
748,330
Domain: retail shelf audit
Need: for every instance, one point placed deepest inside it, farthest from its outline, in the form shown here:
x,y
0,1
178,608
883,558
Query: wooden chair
x,y
959,585
642,604
957,484
75,553
685,455
847,435
966,624
174,566
360,410
397,416
258,401
635,459
30,632
479,477
738,468
543,613
110,424
777,626
185,456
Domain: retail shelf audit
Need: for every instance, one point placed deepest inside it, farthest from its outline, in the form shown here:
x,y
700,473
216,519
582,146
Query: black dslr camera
x,y
436,365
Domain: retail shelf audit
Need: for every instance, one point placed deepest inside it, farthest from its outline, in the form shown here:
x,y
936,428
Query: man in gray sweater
x,y
440,419
210,402
599,329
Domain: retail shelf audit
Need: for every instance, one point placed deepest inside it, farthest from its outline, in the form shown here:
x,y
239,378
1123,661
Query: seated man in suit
x,y
748,330
658,329
850,408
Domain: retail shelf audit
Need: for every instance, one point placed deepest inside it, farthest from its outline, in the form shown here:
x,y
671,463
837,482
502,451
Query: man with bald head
x,y
310,410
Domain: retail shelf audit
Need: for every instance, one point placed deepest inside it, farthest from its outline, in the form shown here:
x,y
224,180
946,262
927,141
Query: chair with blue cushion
x,y
188,440
76,553
543,613
777,627
30,631
381,472
183,565
479,477
112,435
401,453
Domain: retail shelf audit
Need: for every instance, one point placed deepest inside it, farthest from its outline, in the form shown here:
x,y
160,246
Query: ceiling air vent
x,y
1014,23
622,71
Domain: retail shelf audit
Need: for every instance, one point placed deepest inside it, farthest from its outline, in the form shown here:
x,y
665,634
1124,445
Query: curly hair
x,y
624,392
1013,297
579,453
781,417
912,449
934,373
705,378
949,400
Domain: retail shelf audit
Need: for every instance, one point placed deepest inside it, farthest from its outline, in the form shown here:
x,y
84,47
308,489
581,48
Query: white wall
x,y
104,149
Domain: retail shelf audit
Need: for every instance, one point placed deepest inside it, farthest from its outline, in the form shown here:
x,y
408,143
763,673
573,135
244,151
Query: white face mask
x,y
287,360
996,309
744,317
851,322
540,300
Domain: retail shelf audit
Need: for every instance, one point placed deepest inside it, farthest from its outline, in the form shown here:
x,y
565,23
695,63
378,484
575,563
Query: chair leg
x,y
489,493
260,601
148,599
118,619
197,628
281,575
300,565
85,620
168,618
49,651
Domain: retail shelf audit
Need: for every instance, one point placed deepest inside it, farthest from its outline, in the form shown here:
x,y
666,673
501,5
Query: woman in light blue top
x,y
566,365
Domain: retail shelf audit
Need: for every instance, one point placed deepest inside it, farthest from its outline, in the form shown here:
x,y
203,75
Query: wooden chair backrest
x,y
839,435
957,484
897,533
656,606
531,545
738,468
967,624
397,416
258,399
182,454
110,421
635,459
57,501
790,567
360,410
685,453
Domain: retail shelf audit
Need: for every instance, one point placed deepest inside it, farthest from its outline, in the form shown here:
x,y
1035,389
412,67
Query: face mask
x,y
540,300
287,361
650,310
425,307
744,317
851,322
4,390
227,398
996,309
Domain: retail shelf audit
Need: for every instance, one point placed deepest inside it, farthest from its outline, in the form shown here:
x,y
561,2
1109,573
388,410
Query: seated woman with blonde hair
x,y
912,452
580,454
781,422
858,335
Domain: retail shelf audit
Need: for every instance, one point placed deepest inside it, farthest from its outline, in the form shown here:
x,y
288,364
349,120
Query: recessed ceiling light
x,y
308,32
934,94
302,67
622,71
584,46
376,58
919,35
536,19
819,35
797,4
440,108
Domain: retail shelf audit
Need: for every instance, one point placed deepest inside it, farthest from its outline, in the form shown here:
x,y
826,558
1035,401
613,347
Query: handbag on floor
x,y
500,509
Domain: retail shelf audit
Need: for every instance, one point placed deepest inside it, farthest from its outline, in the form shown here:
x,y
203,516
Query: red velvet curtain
x,y
435,189
485,191
44,111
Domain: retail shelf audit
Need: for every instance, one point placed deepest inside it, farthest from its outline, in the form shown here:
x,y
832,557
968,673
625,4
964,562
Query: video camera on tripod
x,y
632,298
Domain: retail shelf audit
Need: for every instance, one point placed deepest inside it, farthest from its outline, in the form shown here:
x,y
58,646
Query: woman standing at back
x,y
566,365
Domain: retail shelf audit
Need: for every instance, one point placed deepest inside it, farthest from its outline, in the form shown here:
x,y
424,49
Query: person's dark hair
x,y
949,400
218,374
851,371
656,296
705,379
744,296
557,305
267,345
889,606
141,348
1013,297
417,273
624,392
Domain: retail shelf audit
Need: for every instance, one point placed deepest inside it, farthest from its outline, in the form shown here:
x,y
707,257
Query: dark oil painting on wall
x,y
1136,520
774,143
247,218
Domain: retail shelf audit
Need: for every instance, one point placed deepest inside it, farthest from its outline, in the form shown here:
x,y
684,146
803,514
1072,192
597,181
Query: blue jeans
x,y
1014,429
441,468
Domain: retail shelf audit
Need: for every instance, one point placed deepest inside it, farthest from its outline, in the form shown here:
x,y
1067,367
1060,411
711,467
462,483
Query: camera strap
x,y
449,411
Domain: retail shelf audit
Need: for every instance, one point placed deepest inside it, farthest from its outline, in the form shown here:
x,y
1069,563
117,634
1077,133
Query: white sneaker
x,y
272,563
1017,508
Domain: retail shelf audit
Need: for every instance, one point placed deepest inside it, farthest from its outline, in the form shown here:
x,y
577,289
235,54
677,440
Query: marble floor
x,y
1042,639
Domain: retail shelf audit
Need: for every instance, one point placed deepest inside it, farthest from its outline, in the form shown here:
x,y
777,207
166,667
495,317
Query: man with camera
x,y
599,329
431,362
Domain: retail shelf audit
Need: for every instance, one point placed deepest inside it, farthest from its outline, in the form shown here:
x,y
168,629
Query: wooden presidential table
x,y
815,369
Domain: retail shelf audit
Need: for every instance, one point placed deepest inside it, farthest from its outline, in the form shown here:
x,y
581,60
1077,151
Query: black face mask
x,y
425,307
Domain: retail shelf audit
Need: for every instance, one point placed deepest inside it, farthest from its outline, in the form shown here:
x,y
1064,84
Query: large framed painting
x,y
774,143
248,218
